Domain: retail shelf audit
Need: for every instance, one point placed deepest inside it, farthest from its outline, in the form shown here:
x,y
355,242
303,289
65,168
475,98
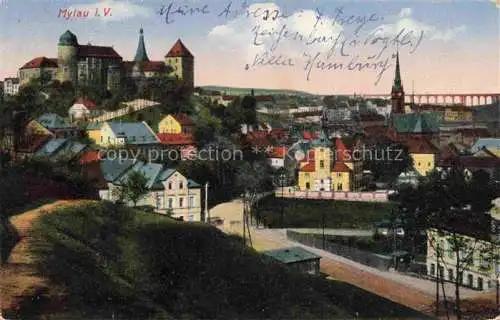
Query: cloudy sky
x,y
317,46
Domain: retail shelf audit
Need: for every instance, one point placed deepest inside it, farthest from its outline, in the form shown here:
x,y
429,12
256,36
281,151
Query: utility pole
x,y
437,279
282,180
207,215
324,240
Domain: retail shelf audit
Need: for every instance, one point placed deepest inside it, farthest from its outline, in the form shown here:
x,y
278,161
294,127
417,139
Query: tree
x,y
252,179
452,208
387,160
133,189
248,108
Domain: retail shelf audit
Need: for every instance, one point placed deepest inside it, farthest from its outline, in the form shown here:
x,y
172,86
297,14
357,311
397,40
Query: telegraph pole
x,y
207,215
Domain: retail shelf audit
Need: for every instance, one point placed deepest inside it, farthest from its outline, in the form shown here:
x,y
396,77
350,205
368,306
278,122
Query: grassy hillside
x,y
243,91
104,259
301,213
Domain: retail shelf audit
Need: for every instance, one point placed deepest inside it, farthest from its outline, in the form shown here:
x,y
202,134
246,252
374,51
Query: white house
x,y
11,86
169,190
83,109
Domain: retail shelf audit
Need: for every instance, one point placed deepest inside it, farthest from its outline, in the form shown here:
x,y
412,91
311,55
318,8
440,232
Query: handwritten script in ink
x,y
354,42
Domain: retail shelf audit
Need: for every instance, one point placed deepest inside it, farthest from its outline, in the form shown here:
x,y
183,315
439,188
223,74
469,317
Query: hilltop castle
x,y
101,65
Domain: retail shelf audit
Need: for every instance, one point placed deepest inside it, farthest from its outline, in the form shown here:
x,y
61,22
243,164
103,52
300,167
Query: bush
x,y
299,213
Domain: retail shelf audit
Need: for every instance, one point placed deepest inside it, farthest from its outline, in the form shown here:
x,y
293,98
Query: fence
x,y
370,259
131,106
376,196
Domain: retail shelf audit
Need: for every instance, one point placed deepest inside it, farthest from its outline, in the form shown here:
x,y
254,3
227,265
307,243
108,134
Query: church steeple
x,y
397,76
140,54
397,92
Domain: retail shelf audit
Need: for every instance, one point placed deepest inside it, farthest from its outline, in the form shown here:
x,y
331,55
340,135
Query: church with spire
x,y
403,125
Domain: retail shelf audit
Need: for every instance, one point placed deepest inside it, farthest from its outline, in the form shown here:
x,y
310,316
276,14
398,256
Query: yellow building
x,y
94,131
423,153
325,169
177,123
35,128
182,63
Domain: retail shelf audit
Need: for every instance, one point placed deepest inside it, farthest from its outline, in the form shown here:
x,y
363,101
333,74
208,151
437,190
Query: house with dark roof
x,y
169,190
297,259
58,126
178,123
60,149
424,154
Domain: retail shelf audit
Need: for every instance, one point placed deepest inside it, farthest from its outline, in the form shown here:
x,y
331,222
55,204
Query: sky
x,y
324,47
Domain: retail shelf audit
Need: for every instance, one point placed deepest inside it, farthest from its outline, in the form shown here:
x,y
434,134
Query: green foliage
x,y
133,189
300,213
387,161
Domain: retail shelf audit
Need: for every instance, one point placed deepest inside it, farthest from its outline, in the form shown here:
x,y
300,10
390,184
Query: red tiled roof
x,y
175,139
87,103
340,167
448,151
258,138
309,156
40,62
279,152
341,151
183,119
228,98
420,146
98,51
179,50
310,167
478,162
307,135
475,132
90,156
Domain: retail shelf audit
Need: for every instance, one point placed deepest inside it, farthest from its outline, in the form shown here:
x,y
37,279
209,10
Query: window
x,y
190,218
432,271
428,164
480,283
181,185
191,202
460,277
181,202
339,187
322,164
450,274
170,186
307,174
308,185
170,203
470,281
441,272
321,181
418,164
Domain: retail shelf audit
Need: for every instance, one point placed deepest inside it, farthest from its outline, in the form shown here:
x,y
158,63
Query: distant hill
x,y
243,91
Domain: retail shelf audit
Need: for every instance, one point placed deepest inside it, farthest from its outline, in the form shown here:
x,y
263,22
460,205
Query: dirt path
x,y
19,277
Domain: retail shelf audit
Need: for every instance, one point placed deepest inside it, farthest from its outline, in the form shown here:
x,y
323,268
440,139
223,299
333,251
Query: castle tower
x,y
67,55
397,93
141,54
182,63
